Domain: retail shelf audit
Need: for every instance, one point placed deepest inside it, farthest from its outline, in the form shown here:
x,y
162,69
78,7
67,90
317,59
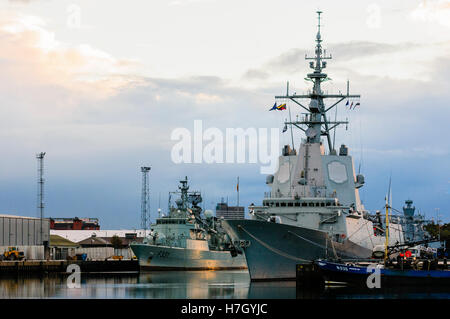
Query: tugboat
x,y
186,240
313,209
404,270
427,273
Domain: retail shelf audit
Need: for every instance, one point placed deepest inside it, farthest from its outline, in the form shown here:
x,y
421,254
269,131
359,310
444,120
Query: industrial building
x,y
74,223
229,212
61,248
29,234
98,244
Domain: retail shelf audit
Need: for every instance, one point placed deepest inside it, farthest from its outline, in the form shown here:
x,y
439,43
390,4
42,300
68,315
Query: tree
x,y
434,230
116,242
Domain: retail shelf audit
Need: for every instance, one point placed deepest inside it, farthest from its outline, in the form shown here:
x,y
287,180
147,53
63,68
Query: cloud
x,y
23,1
30,54
99,120
404,60
433,11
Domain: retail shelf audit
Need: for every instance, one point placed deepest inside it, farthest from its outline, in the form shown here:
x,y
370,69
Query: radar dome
x,y
208,213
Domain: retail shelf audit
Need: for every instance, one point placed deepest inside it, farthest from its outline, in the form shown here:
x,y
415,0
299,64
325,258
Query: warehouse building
x,y
98,244
74,223
61,248
28,234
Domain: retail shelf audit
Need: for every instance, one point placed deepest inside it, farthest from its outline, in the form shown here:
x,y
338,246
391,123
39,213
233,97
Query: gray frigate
x,y
313,209
187,238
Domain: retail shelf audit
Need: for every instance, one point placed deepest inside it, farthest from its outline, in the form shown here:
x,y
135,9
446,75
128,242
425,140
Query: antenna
x,y
159,205
237,189
145,195
290,118
318,21
40,195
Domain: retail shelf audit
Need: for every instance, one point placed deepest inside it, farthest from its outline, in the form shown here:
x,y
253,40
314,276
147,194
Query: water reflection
x,y
344,292
192,284
161,284
189,285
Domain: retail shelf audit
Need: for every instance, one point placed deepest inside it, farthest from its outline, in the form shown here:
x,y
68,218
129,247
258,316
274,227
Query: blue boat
x,y
354,274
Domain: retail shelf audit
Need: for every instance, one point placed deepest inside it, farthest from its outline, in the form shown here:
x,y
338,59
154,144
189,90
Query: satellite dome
x,y
208,213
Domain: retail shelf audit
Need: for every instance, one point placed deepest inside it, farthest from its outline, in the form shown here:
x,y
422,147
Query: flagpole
x,y
237,188
290,119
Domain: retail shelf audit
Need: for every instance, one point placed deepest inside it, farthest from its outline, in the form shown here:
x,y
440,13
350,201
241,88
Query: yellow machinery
x,y
117,257
13,254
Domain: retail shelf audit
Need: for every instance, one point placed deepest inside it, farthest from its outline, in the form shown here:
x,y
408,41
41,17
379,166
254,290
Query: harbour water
x,y
185,285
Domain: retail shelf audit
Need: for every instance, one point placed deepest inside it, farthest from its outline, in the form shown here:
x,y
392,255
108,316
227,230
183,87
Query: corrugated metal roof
x,y
79,235
23,217
58,241
94,241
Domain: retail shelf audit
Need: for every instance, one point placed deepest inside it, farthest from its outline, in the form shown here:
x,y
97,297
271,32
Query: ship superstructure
x,y
313,209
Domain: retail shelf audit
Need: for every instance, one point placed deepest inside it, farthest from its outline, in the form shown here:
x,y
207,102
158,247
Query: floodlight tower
x,y
145,203
40,195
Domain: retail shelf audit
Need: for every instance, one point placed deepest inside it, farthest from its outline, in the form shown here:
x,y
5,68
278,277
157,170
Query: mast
x,y
290,118
386,232
184,192
40,201
145,199
237,189
315,123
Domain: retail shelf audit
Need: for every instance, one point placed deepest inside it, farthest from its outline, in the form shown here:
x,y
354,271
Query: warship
x,y
186,239
313,210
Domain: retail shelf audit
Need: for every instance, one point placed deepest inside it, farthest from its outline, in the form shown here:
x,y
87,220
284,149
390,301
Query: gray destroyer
x,y
313,209
186,240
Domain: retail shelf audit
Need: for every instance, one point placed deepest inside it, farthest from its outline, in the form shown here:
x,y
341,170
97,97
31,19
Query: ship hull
x,y
157,257
358,276
274,250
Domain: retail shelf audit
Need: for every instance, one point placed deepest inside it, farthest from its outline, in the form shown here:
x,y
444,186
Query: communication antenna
x,y
237,190
145,203
40,193
159,205
290,118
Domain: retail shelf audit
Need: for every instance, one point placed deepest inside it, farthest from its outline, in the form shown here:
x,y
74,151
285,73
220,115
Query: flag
x,y
355,105
285,128
237,186
351,106
281,107
274,107
346,104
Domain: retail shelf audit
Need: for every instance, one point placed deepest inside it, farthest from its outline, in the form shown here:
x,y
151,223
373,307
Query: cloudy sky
x,y
100,85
